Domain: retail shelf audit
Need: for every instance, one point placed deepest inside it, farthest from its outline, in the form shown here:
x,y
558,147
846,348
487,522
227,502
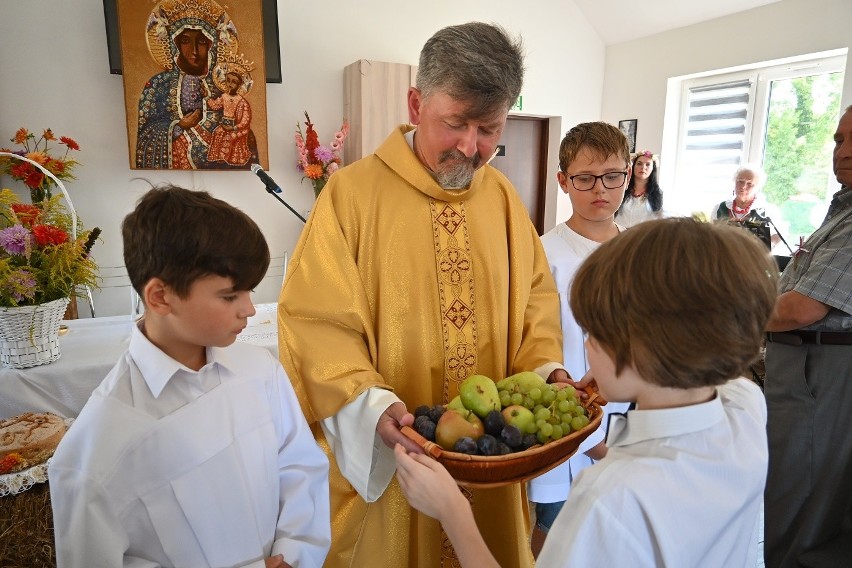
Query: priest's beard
x,y
455,170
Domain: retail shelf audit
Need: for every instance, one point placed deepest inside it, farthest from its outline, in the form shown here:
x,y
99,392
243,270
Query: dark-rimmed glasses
x,y
610,180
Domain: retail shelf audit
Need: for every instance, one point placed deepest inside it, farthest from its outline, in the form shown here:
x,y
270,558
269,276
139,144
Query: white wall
x,y
637,71
54,73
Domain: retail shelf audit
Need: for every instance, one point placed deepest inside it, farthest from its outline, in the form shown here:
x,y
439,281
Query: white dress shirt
x,y
679,487
637,210
166,466
566,250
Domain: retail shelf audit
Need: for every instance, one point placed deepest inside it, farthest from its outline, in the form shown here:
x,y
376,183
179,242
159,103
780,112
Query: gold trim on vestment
x,y
455,290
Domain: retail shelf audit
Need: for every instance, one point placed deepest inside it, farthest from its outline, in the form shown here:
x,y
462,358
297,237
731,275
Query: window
x,y
781,116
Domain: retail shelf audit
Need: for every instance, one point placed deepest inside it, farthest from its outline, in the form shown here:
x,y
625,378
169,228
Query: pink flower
x,y
331,168
324,153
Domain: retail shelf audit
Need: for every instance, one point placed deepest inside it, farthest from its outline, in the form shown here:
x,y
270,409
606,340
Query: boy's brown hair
x,y
179,236
600,138
684,303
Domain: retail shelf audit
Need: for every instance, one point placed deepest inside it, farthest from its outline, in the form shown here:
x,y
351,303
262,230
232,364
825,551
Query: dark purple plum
x,y
436,412
421,410
487,445
425,427
466,445
494,423
511,436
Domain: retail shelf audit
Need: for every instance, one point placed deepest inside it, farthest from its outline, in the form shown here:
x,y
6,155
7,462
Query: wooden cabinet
x,y
375,100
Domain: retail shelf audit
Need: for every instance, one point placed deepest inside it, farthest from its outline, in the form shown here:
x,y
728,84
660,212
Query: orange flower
x,y
311,141
40,157
21,136
313,171
26,214
39,151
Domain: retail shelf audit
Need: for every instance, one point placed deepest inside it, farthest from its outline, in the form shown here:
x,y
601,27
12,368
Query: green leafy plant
x,y
40,260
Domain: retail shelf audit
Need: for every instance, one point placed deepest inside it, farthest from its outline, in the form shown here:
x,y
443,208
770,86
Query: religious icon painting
x,y
194,84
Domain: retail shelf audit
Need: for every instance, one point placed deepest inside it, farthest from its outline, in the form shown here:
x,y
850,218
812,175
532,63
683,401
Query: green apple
x,y
456,404
454,425
520,417
479,394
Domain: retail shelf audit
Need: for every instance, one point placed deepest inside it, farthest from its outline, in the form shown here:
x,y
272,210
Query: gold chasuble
x,y
399,284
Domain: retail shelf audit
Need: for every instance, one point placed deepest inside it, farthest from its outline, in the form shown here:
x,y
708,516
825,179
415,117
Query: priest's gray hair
x,y
477,63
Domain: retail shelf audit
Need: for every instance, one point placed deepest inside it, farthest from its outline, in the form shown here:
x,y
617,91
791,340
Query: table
x,y
90,348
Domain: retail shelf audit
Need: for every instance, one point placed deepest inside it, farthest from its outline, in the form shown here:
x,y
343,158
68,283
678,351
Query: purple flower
x,y
20,284
323,154
15,239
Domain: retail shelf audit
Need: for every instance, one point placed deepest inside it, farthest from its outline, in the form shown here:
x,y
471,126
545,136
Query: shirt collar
x,y
642,425
157,368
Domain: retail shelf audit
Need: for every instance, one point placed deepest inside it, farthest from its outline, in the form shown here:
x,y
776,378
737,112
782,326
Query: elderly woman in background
x,y
643,200
747,207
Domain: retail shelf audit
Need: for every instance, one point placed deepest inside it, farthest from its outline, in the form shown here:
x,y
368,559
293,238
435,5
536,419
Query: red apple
x,y
455,424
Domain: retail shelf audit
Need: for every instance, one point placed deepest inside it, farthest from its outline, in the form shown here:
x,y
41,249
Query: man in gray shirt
x,y
809,390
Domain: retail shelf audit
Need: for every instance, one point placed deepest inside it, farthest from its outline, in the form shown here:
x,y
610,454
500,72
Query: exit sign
x,y
519,104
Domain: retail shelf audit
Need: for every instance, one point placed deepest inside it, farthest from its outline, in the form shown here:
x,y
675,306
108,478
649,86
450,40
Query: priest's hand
x,y
391,421
559,376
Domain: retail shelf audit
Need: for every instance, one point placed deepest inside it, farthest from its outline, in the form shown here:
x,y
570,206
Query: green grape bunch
x,y
556,408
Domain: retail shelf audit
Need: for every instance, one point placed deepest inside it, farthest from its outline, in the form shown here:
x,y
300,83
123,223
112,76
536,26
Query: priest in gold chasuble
x,y
418,267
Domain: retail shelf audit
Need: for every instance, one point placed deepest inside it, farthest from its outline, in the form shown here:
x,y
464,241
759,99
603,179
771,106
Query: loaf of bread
x,y
28,440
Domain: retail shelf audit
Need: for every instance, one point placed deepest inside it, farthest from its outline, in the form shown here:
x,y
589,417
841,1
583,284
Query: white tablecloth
x,y
90,348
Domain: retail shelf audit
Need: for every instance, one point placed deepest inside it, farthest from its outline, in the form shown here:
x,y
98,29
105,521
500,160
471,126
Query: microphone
x,y
264,177
274,189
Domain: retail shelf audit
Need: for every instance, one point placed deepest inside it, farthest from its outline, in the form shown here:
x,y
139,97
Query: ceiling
x,y
618,21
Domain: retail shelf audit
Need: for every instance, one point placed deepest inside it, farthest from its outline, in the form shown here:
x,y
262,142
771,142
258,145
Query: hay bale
x,y
26,529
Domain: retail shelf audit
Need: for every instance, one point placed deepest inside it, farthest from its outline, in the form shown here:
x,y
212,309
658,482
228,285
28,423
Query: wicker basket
x,y
29,335
496,471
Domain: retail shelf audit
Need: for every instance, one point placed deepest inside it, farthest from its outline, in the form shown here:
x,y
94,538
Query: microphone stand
x,y
783,240
273,193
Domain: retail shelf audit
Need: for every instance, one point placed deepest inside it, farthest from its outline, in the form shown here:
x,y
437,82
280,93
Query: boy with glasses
x,y
594,169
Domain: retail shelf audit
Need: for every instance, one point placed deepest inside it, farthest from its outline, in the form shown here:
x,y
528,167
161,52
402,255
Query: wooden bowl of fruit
x,y
496,434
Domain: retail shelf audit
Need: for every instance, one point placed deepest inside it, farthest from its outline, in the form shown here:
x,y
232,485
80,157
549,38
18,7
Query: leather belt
x,y
805,337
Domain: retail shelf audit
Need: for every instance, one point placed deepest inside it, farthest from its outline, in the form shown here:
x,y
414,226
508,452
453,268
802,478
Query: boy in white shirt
x,y
673,309
193,451
594,170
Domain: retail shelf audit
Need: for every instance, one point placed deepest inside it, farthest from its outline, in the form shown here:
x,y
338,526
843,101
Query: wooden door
x,y
523,159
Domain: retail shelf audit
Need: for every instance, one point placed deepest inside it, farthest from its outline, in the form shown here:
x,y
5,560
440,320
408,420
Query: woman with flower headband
x,y
643,199
747,207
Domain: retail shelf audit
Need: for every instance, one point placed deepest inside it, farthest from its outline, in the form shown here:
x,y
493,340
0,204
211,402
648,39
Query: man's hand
x,y
389,424
276,562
